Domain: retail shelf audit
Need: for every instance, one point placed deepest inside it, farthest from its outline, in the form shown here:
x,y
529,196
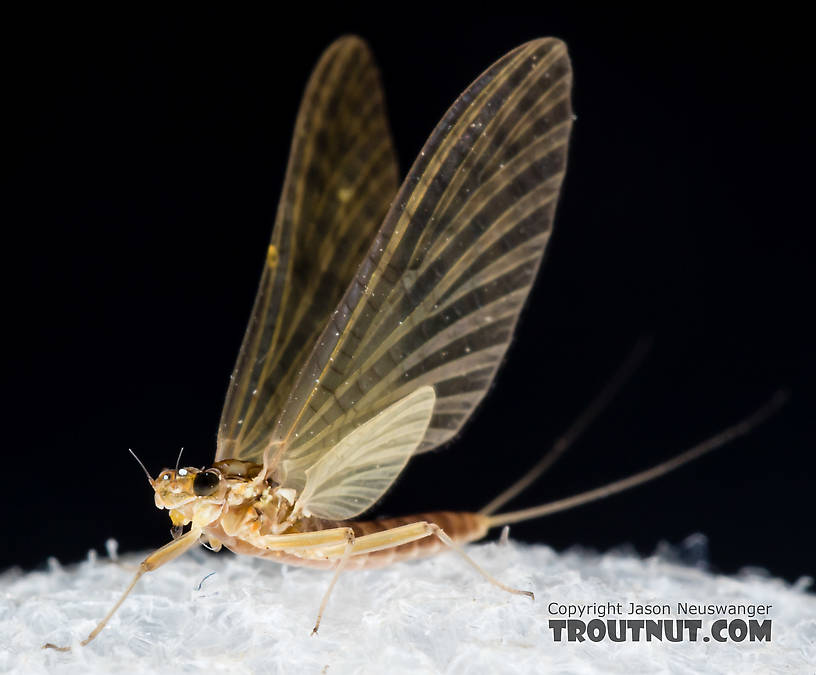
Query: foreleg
x,y
165,554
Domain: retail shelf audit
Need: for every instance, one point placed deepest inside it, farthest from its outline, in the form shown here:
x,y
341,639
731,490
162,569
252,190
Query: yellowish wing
x,y
356,472
341,178
437,297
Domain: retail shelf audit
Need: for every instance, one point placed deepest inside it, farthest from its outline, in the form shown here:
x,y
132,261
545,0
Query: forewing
x,y
437,297
356,472
341,178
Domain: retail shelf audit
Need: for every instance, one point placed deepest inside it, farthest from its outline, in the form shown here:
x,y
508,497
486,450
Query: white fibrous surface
x,y
232,614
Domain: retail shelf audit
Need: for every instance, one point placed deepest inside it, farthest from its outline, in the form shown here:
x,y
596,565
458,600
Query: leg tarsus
x,y
445,539
155,560
340,564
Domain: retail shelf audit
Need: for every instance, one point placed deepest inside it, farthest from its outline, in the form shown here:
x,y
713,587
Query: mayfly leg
x,y
165,554
341,563
392,538
445,539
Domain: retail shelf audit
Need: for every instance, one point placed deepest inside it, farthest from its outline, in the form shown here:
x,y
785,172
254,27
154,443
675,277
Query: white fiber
x,y
430,616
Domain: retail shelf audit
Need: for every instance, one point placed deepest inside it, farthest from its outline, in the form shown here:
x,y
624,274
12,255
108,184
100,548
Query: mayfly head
x,y
184,489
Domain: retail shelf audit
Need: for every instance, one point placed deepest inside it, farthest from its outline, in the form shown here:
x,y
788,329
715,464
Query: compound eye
x,y
205,483
165,475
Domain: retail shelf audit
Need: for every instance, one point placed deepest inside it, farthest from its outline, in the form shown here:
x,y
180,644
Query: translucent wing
x,y
341,178
356,472
437,297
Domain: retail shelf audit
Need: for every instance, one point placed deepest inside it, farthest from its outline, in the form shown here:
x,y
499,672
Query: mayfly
x,y
382,316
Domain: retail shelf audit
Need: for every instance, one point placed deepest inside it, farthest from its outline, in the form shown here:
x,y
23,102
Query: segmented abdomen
x,y
461,526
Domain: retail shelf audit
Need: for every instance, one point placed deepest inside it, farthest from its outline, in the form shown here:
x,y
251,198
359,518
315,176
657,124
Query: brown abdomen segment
x,y
461,526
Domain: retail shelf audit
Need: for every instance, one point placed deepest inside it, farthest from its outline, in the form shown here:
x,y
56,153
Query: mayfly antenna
x,y
147,473
178,459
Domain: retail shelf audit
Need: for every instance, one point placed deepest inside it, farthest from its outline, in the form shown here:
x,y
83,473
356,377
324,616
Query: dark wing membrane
x,y
341,178
437,297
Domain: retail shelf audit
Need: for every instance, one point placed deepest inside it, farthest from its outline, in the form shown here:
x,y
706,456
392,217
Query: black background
x,y
147,153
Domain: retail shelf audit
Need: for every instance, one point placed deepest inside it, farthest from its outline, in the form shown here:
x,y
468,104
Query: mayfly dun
x,y
382,316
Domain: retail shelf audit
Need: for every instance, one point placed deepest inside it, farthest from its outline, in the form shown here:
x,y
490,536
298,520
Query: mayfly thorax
x,y
382,316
